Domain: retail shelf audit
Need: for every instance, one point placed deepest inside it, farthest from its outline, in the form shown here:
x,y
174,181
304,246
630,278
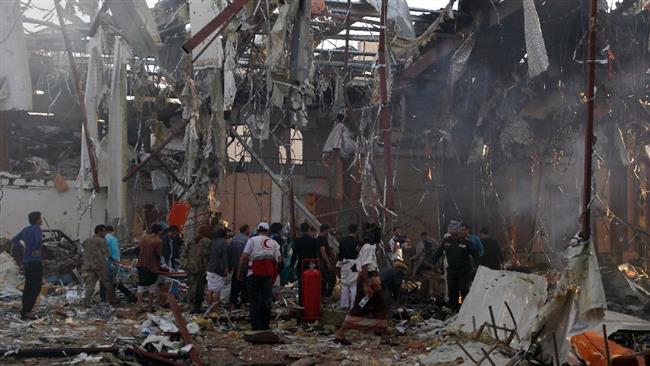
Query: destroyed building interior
x,y
530,118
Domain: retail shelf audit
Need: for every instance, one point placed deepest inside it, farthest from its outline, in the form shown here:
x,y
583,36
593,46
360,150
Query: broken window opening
x,y
236,151
296,141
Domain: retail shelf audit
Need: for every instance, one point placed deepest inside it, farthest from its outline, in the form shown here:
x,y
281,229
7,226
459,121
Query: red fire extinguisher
x,y
310,291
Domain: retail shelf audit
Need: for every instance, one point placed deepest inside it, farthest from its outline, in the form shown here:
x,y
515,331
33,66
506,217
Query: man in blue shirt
x,y
235,249
31,238
113,268
476,241
113,244
171,249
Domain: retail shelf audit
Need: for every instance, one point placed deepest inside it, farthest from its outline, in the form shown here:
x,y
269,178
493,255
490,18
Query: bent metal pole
x,y
585,233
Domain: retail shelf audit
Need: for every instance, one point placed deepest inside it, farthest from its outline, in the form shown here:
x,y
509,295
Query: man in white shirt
x,y
261,257
395,245
369,311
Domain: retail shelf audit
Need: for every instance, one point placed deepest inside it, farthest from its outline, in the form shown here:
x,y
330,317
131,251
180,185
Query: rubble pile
x,y
492,326
627,289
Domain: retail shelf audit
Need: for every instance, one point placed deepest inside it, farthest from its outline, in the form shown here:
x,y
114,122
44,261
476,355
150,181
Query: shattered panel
x,y
524,294
398,10
229,69
201,13
96,88
535,47
138,26
340,140
117,132
459,59
578,304
15,79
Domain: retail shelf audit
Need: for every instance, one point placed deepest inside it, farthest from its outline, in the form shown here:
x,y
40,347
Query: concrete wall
x,y
239,206
61,210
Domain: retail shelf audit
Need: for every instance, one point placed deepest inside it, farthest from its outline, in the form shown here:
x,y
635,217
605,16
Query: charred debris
x,y
336,112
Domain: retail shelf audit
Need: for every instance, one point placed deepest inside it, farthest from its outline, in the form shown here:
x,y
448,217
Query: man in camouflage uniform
x,y
95,266
195,262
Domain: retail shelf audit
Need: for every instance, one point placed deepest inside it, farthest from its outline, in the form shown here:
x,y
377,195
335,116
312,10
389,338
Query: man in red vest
x,y
261,256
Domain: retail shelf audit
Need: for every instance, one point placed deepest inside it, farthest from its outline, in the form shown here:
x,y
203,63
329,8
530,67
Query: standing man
x,y
396,242
326,264
348,253
304,248
276,234
113,267
474,239
112,243
262,255
217,267
31,239
172,246
195,262
459,252
423,265
235,250
95,266
150,252
492,258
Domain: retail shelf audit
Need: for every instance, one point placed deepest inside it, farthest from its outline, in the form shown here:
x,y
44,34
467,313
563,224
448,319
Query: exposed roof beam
x,y
363,9
446,46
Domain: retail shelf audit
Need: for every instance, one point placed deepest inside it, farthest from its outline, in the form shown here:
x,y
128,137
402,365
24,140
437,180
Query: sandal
x,y
342,341
389,342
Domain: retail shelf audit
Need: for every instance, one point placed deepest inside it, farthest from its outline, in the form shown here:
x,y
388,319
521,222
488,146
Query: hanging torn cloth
x,y
459,59
340,139
535,47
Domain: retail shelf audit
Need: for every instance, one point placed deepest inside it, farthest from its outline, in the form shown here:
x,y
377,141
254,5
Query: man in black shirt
x,y
348,252
492,257
391,283
305,247
460,253
326,264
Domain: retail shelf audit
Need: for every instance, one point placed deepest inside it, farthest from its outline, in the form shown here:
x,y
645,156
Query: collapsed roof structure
x,y
338,112
470,112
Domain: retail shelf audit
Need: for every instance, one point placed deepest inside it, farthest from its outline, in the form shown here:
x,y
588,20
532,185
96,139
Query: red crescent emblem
x,y
265,245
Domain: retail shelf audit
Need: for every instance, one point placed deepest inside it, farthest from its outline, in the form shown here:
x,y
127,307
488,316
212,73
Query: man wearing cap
x,y
460,254
262,257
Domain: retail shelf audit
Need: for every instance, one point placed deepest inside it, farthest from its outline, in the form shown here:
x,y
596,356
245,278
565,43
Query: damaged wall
x,y
61,210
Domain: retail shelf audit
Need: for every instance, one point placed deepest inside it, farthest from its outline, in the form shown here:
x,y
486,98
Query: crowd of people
x,y
255,261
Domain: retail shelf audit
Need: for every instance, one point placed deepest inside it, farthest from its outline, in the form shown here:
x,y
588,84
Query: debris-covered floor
x,y
422,332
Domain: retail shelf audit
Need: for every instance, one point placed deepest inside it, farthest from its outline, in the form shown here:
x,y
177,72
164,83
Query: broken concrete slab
x,y
524,294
